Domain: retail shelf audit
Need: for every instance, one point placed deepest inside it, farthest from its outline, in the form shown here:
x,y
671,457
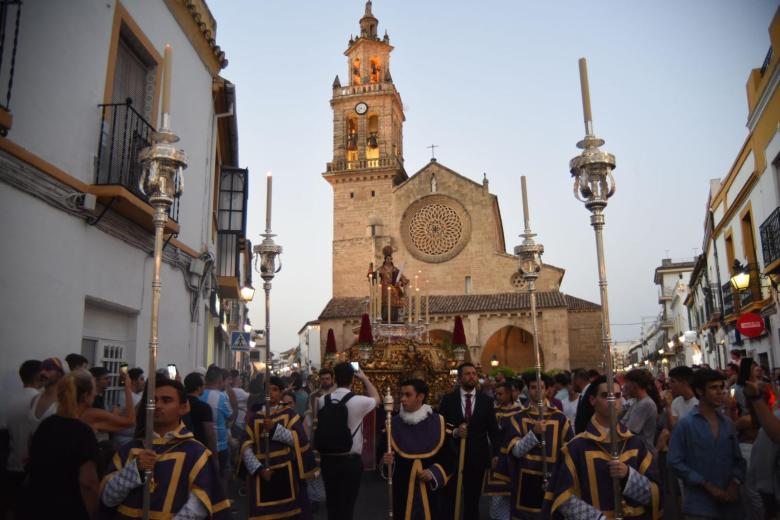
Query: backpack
x,y
332,434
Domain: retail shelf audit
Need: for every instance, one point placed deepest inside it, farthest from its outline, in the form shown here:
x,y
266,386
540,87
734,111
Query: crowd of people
x,y
701,443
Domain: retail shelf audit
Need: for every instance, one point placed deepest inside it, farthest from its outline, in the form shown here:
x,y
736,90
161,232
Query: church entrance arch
x,y
440,337
513,347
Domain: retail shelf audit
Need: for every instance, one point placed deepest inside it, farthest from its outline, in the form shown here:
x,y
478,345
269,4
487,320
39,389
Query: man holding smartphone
x,y
342,464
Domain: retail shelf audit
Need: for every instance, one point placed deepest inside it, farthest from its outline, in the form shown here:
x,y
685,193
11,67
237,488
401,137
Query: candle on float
x,y
167,65
417,292
427,308
389,305
269,179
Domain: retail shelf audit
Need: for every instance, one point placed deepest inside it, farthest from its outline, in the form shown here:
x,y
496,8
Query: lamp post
x,y
267,252
593,186
494,361
530,256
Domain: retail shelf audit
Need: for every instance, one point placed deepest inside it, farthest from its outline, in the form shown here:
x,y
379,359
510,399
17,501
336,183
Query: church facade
x,y
445,231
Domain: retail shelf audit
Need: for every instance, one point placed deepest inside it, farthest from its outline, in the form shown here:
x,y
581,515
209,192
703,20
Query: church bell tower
x,y
367,160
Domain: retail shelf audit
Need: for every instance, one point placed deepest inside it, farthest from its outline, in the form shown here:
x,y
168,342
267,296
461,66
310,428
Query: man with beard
x,y
419,463
326,385
471,416
523,455
45,403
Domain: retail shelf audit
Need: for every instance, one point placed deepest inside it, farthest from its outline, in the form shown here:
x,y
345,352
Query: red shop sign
x,y
750,325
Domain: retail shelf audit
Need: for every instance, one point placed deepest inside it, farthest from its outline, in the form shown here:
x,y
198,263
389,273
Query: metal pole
x,y
388,402
160,217
266,382
540,405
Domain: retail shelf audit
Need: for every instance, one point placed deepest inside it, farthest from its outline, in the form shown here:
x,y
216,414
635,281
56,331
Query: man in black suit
x,y
470,414
580,380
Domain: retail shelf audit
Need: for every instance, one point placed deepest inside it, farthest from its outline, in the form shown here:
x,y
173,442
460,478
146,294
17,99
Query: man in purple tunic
x,y
582,483
185,481
277,487
419,464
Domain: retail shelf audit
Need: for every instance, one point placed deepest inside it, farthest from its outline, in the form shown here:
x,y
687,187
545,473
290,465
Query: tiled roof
x,y
352,307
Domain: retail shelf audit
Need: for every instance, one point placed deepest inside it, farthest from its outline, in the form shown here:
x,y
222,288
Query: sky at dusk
x,y
495,85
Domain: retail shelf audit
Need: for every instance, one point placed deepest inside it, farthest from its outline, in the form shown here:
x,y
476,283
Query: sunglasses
x,y
605,395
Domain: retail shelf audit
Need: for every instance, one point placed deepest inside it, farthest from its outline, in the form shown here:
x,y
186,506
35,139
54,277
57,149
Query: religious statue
x,y
372,140
352,139
392,281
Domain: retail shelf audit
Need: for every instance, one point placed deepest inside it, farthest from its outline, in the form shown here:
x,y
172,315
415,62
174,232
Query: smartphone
x,y
172,370
732,392
123,369
355,366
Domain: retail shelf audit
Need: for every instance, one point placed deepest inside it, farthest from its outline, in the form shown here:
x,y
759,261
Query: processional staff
x,y
388,402
593,185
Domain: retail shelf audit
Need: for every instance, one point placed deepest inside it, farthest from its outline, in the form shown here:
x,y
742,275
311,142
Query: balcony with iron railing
x,y
10,18
769,231
123,134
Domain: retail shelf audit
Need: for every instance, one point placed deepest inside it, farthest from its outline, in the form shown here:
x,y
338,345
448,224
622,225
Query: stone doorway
x,y
513,347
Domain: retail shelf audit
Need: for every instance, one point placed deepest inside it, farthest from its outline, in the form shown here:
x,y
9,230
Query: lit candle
x,y
428,308
417,292
389,295
269,178
166,93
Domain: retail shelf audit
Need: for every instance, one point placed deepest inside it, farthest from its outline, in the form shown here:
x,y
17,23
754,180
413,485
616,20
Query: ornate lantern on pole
x,y
266,253
161,182
365,338
593,186
459,340
530,255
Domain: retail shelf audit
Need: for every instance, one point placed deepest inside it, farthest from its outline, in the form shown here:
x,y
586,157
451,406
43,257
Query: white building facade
x,y
77,261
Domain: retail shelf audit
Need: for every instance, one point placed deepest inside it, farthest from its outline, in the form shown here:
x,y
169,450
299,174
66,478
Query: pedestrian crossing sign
x,y
239,341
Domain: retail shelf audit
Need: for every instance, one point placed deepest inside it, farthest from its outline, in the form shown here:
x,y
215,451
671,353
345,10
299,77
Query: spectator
x,y
580,382
684,398
641,416
256,397
325,381
549,385
200,419
571,399
45,403
222,413
241,400
227,376
19,432
63,471
288,398
732,372
101,384
342,474
301,397
561,382
704,453
136,384
76,362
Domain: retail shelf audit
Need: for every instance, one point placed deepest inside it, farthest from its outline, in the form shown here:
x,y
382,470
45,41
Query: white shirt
x,y
570,408
241,398
681,406
20,428
357,408
463,400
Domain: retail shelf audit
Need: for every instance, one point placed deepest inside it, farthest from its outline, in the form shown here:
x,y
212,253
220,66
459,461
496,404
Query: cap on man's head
x,y
52,363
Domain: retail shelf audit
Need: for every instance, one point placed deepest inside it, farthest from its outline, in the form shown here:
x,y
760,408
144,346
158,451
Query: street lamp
x,y
247,293
593,186
494,361
741,278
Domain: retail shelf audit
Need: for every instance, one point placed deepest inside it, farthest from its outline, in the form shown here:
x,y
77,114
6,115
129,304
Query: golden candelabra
x,y
594,185
161,182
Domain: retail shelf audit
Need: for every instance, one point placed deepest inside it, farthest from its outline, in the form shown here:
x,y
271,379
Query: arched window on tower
x,y
372,141
375,69
356,72
352,133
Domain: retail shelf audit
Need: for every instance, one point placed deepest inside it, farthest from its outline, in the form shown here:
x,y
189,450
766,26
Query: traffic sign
x,y
751,325
239,341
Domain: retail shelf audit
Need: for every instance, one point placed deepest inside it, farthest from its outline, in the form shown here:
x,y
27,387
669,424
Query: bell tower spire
x,y
368,24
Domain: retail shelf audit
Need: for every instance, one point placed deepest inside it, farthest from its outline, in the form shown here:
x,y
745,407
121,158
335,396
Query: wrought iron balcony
x,y
770,237
10,17
123,134
728,298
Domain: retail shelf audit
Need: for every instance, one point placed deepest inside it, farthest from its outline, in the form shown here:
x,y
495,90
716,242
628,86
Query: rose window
x,y
436,228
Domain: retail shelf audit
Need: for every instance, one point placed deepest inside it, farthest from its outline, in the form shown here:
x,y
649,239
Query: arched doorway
x,y
440,337
513,347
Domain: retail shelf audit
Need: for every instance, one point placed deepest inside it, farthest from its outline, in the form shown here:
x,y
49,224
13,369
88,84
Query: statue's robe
x,y
582,488
290,457
522,459
184,468
419,447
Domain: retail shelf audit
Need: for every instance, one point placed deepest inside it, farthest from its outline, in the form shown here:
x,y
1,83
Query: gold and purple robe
x,y
183,466
582,472
496,484
526,475
284,496
418,447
